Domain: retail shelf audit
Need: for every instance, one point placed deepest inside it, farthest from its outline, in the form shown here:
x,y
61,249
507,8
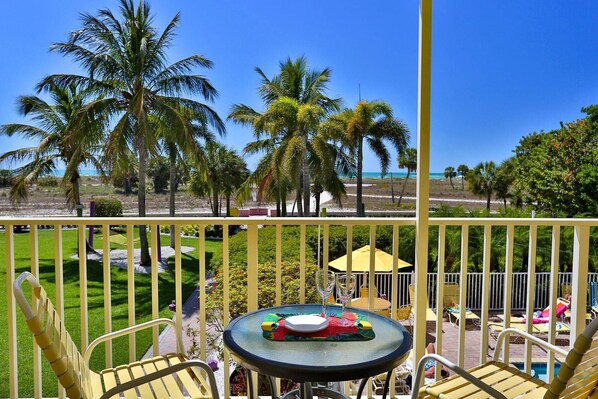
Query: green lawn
x,y
95,285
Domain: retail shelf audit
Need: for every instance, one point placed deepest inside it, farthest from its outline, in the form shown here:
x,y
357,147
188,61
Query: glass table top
x,y
317,360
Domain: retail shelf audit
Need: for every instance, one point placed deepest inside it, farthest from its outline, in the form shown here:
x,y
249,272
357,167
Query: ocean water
x,y
366,175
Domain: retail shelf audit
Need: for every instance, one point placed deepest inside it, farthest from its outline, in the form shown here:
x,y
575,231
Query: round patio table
x,y
322,361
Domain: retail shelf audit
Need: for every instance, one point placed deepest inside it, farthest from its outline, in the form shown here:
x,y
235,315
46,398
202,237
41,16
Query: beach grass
x,y
95,285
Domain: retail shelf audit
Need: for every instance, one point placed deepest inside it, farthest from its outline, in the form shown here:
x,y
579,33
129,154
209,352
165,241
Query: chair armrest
x,y
164,372
456,369
129,330
541,343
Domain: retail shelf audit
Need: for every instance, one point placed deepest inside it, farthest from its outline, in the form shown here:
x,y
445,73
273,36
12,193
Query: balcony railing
x,y
100,313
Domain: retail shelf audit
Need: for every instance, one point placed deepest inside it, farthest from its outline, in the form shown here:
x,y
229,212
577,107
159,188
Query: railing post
x,y
13,382
462,293
531,292
440,287
579,279
554,284
485,291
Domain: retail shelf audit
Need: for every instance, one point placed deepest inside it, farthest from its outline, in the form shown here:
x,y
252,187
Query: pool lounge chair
x,y
577,376
594,298
430,315
453,308
171,375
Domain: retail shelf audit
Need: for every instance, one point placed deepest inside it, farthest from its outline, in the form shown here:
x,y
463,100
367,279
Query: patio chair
x,y
171,375
453,308
430,315
577,376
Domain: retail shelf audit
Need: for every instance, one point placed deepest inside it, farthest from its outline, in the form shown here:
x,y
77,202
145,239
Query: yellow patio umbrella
x,y
361,261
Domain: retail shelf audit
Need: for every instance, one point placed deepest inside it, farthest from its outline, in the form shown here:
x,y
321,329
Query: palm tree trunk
x,y
298,200
462,182
215,203
317,211
451,180
392,189
172,190
306,187
404,186
146,259
489,195
359,204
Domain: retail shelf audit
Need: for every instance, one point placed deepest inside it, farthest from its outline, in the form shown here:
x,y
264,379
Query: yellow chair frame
x,y
171,375
577,377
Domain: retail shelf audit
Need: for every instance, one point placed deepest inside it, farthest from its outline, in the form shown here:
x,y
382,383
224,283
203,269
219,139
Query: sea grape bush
x,y
108,207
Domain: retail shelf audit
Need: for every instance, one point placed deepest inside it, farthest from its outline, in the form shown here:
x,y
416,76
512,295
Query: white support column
x,y
423,175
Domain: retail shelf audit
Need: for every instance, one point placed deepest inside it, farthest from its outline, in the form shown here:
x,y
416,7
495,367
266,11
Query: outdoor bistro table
x,y
321,361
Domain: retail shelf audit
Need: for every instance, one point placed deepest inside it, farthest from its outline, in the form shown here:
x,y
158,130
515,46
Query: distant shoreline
x,y
366,175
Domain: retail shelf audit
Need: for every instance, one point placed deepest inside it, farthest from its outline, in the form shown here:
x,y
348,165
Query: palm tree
x,y
504,180
462,170
190,149
54,131
481,180
372,122
449,172
307,87
296,150
220,173
407,160
127,64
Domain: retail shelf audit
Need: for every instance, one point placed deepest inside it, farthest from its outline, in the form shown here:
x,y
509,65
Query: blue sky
x,y
501,69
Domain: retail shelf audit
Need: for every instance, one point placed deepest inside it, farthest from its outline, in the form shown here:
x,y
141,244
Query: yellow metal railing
x,y
9,329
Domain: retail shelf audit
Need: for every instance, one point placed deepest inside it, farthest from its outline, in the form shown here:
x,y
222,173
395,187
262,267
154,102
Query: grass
x,y
95,284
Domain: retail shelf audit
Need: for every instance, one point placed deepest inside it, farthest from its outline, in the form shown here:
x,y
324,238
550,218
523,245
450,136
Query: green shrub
x,y
5,177
158,170
108,207
47,181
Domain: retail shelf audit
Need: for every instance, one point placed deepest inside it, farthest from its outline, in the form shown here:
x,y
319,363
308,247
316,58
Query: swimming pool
x,y
539,369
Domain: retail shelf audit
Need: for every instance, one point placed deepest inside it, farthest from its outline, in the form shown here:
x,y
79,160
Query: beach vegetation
x,y
558,169
218,176
57,124
481,180
371,123
450,173
407,160
108,207
462,170
138,91
296,102
159,173
5,178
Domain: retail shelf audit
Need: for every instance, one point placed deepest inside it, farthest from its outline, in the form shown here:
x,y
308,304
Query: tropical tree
x,y
462,170
504,181
54,129
557,169
481,180
450,173
126,62
371,122
407,160
307,87
219,174
181,145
